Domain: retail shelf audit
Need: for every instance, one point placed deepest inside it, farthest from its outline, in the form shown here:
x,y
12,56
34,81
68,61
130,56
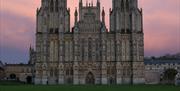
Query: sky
x,y
18,26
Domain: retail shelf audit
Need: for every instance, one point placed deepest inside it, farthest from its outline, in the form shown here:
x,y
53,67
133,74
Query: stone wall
x,y
20,71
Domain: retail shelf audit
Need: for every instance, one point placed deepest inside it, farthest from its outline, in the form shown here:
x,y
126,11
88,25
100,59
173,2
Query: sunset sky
x,y
18,20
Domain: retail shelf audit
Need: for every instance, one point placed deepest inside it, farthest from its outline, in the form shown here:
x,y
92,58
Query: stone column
x,y
37,79
119,73
44,74
61,73
75,74
104,73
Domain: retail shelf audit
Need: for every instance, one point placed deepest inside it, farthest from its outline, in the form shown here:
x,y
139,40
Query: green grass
x,y
89,88
10,83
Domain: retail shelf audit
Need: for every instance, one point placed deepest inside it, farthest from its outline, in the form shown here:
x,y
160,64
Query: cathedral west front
x,y
89,53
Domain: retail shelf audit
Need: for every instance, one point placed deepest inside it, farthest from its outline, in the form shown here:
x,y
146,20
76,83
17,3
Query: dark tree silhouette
x,y
169,75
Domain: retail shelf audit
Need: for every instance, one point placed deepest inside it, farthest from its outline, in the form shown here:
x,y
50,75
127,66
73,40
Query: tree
x,y
169,75
153,57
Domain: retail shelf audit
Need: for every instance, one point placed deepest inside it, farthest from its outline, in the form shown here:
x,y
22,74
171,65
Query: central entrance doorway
x,y
90,79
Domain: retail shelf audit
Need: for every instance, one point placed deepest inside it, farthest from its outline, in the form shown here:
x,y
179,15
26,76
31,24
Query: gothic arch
x,y
112,80
51,6
12,76
127,5
29,79
57,4
122,5
90,79
90,49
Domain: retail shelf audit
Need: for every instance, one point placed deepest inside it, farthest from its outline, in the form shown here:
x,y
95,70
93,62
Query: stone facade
x,y
1,71
1,64
154,70
89,53
19,72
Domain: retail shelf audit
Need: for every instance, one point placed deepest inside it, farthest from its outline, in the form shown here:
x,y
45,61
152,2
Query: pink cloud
x,y
161,24
16,29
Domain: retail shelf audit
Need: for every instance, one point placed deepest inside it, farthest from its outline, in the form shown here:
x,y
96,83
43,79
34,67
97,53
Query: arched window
x,y
51,72
112,80
71,73
56,72
122,5
69,80
67,72
90,79
57,31
12,76
127,5
108,71
83,48
51,6
51,30
97,50
113,70
57,4
90,49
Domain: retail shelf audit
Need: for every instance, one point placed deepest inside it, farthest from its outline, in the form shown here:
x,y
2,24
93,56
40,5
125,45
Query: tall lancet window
x,y
127,5
51,6
83,48
90,49
97,49
57,4
51,72
56,72
122,5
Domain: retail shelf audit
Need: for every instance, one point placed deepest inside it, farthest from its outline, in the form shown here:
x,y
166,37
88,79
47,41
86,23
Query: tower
x,y
126,23
88,9
32,56
76,17
53,20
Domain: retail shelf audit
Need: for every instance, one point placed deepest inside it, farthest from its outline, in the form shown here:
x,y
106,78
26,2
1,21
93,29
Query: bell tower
x,y
127,23
121,16
53,20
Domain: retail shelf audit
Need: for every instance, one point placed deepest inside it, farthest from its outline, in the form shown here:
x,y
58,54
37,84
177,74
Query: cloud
x,y
16,33
161,26
18,20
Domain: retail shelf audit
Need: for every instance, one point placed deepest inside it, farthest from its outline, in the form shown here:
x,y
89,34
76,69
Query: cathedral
x,y
89,53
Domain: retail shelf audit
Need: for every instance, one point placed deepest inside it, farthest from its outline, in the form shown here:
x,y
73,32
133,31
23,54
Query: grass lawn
x,y
89,88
